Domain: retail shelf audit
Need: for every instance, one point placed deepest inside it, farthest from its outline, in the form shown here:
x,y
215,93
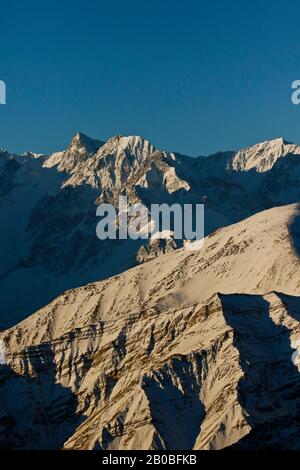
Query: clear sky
x,y
192,76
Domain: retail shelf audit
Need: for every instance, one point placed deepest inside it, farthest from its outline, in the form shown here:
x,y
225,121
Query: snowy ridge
x,y
49,244
187,351
262,157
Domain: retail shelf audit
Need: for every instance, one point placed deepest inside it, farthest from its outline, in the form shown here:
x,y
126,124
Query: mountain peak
x,y
80,149
128,140
82,141
277,141
133,145
263,156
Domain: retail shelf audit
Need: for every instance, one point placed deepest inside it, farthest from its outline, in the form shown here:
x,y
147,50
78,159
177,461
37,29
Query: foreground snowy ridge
x,y
187,351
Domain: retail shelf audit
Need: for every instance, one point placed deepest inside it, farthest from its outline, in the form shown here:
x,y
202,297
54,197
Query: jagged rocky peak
x,y
263,156
118,151
133,145
83,143
119,159
80,149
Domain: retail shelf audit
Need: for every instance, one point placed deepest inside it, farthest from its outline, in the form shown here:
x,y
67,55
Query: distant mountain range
x,y
48,207
147,345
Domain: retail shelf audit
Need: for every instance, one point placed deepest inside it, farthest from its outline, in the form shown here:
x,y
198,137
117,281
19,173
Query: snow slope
x,y
192,350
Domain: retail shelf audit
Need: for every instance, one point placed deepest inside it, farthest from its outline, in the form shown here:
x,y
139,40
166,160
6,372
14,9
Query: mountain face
x,y
191,350
48,207
262,157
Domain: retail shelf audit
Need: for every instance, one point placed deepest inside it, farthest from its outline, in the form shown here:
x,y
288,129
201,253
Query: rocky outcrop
x,y
192,350
156,248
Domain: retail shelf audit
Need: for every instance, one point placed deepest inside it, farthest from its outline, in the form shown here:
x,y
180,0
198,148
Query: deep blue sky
x,y
192,76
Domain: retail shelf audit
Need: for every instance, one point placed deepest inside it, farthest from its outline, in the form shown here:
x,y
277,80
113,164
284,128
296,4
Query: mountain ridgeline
x,y
191,350
148,345
48,207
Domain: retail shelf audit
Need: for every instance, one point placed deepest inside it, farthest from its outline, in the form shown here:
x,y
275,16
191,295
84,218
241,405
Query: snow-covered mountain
x,y
192,350
263,156
48,207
